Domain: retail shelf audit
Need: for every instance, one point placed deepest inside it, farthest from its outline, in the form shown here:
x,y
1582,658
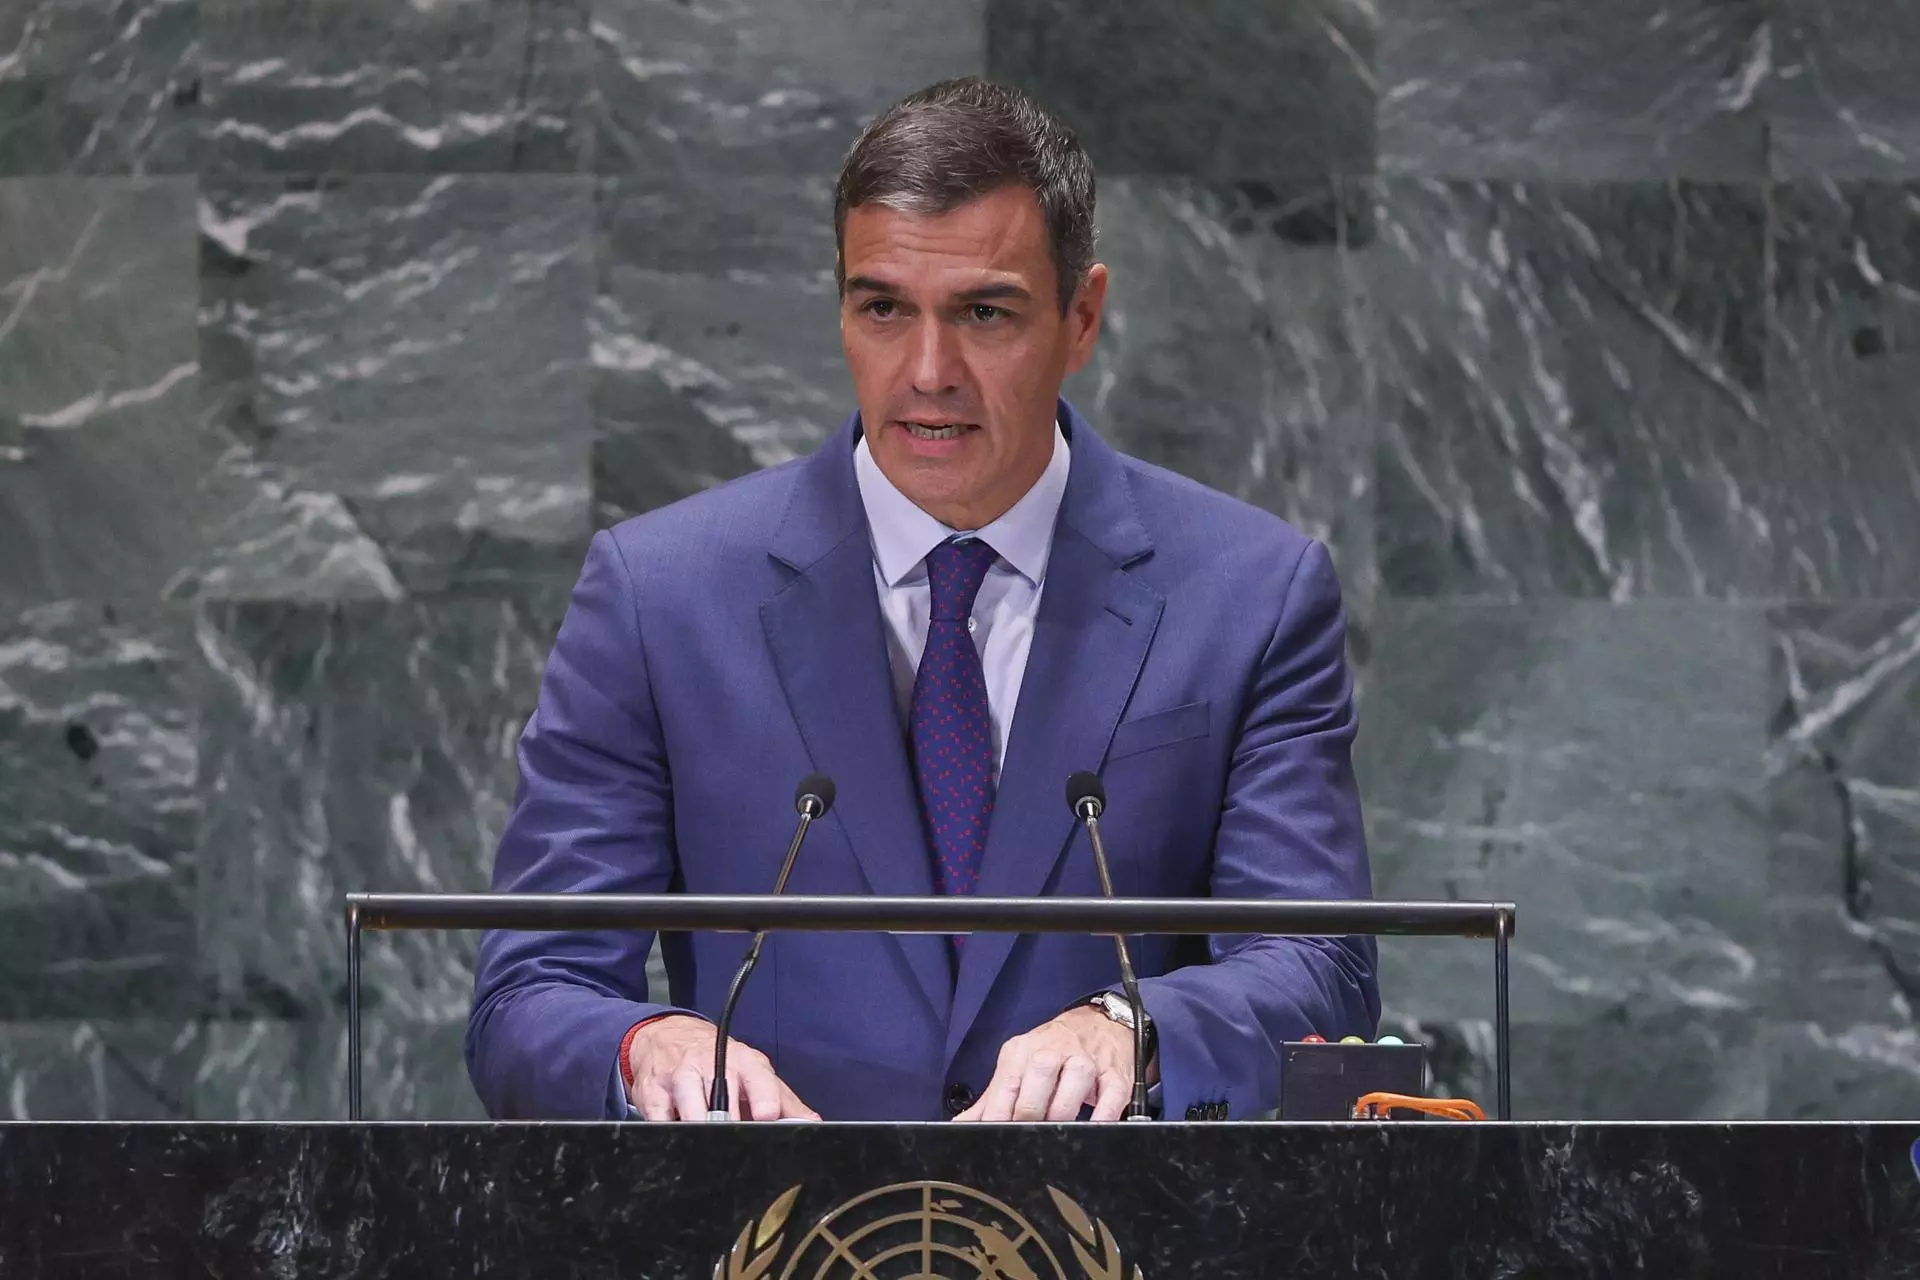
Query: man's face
x,y
954,335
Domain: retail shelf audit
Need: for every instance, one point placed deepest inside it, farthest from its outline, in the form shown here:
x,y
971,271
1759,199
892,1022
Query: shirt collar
x,y
903,533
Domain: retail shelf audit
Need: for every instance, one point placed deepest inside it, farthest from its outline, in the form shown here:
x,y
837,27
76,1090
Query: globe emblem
x,y
924,1231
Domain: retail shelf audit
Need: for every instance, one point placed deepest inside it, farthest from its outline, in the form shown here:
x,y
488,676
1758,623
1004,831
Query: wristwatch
x,y
1115,1006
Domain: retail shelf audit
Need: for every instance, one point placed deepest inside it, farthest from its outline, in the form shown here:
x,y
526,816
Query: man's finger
x,y
997,1100
1116,1091
652,1099
995,1105
1037,1084
756,1091
689,1087
791,1108
1077,1080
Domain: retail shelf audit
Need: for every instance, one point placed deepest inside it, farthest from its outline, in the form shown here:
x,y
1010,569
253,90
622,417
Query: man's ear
x,y
1084,315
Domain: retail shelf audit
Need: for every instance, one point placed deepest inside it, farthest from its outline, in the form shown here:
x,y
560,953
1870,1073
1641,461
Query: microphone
x,y
1087,797
812,798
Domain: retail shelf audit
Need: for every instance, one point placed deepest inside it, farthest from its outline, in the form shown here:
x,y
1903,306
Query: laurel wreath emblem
x,y
1086,1232
758,1247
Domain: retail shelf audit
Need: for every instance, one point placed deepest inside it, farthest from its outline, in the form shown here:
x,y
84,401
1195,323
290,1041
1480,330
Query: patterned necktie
x,y
951,731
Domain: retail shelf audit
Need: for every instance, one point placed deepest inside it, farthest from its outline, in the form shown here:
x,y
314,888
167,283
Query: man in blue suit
x,y
962,598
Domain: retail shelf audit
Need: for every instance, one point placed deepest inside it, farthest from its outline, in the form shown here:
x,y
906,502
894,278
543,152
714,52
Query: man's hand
x,y
1081,1057
672,1061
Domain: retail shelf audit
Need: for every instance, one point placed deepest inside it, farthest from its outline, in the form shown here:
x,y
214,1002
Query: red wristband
x,y
626,1048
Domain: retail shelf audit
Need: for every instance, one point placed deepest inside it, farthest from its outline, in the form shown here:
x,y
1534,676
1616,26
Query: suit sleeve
x,y
1290,827
593,813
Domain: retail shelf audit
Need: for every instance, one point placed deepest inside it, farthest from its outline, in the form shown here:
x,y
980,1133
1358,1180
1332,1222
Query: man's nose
x,y
936,359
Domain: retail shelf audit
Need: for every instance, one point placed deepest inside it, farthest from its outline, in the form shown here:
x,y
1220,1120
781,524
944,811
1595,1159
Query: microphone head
x,y
1085,790
817,787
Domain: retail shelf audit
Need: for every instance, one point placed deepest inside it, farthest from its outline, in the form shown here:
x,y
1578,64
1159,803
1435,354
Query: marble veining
x,y
1571,390
129,1068
96,397
1231,351
1251,92
691,89
1843,784
365,86
715,338
100,750
1845,103
280,1069
399,364
1842,470
1628,828
99,86
355,746
1563,89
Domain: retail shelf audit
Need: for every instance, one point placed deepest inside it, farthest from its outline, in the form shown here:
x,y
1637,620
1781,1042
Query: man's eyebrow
x,y
980,293
989,292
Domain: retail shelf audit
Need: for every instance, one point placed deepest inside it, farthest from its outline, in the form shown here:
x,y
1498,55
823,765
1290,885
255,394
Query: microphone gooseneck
x,y
811,799
1087,797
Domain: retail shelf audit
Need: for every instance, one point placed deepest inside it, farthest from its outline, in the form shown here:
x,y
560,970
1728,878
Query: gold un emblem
x,y
922,1231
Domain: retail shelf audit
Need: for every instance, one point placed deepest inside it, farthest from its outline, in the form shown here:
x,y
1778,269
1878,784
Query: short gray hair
x,y
961,139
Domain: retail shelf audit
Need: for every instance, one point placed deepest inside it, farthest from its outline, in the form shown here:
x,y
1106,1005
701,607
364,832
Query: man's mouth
x,y
938,430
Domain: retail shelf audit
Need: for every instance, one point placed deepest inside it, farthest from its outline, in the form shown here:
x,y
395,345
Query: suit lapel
x,y
1091,637
827,639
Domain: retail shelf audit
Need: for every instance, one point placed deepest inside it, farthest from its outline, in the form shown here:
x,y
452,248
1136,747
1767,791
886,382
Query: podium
x,y
1176,1201
930,914
874,1201
837,1201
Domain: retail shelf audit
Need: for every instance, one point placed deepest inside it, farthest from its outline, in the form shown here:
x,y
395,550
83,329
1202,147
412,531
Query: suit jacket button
x,y
958,1098
1196,1112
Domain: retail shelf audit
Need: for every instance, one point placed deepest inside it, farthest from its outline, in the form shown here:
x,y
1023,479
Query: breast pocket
x,y
1159,729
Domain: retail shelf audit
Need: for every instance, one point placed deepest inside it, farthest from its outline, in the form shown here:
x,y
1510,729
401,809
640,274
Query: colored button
x,y
1389,1040
1313,1039
1351,1040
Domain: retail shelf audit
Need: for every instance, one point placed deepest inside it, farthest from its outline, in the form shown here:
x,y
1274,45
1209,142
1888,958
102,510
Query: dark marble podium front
x,y
1027,1203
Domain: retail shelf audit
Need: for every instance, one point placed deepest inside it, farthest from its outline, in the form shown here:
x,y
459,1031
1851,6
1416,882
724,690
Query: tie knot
x,y
955,571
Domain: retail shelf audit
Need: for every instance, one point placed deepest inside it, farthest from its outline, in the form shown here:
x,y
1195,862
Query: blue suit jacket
x,y
1188,647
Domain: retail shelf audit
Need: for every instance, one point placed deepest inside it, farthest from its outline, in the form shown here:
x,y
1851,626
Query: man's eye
x,y
981,313
882,307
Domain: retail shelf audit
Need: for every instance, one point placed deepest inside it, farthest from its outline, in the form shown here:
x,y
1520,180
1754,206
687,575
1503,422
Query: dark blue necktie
x,y
951,730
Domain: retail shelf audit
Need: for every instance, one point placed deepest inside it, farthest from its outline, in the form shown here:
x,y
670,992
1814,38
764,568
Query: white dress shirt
x,y
1009,599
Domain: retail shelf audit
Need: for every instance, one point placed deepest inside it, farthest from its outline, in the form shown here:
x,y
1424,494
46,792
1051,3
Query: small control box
x,y
1322,1081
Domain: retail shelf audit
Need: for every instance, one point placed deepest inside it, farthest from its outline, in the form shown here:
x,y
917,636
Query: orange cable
x,y
1375,1106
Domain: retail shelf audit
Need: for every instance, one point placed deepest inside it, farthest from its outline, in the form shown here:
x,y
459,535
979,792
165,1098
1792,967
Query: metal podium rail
x,y
861,913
